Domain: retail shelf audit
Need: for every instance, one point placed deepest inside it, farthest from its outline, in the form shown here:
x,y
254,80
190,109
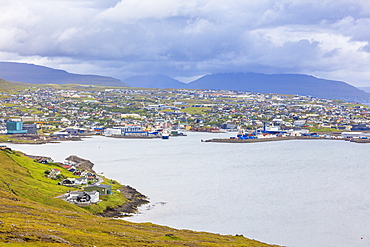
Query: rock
x,y
134,200
82,164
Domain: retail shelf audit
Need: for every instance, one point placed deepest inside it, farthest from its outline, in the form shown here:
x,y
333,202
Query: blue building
x,y
360,127
14,127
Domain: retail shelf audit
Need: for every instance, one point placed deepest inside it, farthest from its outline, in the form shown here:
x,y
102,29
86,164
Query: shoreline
x,y
134,200
38,141
133,197
134,137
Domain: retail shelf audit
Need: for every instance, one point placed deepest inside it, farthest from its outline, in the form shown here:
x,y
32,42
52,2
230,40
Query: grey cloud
x,y
301,12
188,38
366,48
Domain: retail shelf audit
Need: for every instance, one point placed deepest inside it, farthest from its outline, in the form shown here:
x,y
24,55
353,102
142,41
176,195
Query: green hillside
x,y
14,87
30,215
11,87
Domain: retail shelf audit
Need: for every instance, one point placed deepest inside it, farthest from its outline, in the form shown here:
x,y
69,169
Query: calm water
x,y
292,193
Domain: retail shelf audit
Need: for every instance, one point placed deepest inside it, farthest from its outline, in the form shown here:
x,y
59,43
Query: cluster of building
x,y
82,179
87,180
60,113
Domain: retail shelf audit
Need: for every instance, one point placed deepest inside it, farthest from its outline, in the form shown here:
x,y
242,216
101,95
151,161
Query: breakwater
x,y
236,140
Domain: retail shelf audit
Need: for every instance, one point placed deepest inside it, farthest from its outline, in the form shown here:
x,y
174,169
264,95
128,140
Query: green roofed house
x,y
103,189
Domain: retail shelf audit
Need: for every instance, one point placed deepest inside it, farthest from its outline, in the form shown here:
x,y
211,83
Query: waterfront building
x,y
352,134
112,132
30,128
15,127
130,130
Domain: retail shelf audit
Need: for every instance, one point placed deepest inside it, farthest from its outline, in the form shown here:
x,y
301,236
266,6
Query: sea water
x,y
298,193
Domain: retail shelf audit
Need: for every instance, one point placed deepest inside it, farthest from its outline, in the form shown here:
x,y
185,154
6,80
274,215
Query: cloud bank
x,y
189,38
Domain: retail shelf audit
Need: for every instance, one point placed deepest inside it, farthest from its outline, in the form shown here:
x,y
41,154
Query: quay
x,y
237,140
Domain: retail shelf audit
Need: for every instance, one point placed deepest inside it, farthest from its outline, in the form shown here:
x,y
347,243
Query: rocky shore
x,y
82,163
134,200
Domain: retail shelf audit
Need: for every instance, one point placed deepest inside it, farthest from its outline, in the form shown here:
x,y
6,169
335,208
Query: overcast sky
x,y
186,39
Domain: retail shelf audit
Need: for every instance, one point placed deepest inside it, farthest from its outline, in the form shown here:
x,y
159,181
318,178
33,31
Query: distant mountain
x,y
154,81
30,73
366,89
281,84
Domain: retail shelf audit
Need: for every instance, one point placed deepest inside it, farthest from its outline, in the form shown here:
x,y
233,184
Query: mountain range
x,y
281,84
30,73
296,84
262,83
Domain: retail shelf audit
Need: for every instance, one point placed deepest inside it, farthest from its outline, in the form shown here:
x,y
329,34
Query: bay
x,y
293,193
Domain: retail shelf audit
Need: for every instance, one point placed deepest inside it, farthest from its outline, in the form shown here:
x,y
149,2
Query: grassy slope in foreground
x,y
31,215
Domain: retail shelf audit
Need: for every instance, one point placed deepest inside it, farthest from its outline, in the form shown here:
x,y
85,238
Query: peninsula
x,y
30,214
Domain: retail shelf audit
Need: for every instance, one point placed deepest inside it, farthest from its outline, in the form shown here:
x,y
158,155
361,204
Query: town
x,y
53,113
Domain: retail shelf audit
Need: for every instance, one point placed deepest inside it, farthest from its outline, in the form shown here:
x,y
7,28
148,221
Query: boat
x,y
165,134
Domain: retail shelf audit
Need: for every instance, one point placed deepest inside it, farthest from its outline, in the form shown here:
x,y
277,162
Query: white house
x,y
94,196
81,181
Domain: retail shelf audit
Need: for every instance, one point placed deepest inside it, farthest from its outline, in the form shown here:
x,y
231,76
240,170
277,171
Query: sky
x,y
186,39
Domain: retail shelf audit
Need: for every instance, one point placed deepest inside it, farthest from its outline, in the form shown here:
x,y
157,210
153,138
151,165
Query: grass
x,y
316,129
360,105
30,215
12,87
112,200
195,110
11,138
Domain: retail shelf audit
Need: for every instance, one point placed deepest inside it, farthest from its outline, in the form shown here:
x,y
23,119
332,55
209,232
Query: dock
x,y
236,140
